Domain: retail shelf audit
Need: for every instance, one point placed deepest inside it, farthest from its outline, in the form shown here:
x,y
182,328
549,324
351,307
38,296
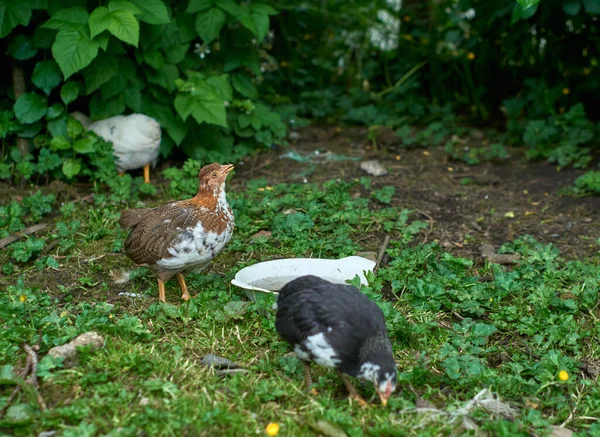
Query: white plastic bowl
x,y
271,276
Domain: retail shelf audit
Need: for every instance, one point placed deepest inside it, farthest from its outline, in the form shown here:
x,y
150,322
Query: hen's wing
x,y
341,312
157,230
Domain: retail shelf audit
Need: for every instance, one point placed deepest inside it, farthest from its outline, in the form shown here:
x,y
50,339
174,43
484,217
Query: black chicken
x,y
337,326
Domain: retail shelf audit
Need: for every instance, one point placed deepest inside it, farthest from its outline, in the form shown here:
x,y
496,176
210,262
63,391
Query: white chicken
x,y
135,138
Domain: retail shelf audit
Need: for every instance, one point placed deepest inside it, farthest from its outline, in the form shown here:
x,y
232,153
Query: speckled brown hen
x,y
184,236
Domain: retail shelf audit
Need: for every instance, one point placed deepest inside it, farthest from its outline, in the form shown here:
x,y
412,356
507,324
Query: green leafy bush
x,y
588,183
194,66
400,64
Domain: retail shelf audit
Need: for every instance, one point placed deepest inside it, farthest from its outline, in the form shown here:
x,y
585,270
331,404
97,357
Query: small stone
x,y
217,362
558,431
294,136
488,252
289,211
373,167
262,233
144,401
69,351
476,134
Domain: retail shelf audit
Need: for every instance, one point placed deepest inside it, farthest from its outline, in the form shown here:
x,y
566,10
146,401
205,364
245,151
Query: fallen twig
x,y
33,358
381,254
12,238
30,369
430,230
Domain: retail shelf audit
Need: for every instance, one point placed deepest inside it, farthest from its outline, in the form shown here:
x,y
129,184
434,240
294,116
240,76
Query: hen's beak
x,y
226,168
385,394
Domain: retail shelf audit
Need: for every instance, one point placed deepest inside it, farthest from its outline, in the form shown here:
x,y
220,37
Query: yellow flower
x,y
471,56
284,64
268,188
261,189
566,91
22,298
272,429
397,157
563,375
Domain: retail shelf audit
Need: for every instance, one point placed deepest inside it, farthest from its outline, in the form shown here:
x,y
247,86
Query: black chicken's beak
x,y
384,396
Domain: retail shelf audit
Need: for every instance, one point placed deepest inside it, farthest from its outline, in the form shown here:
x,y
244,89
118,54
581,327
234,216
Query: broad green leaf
x,y
199,5
256,22
84,145
592,7
204,109
165,77
30,107
101,109
116,85
13,13
221,87
266,9
133,98
124,26
58,127
71,167
46,75
571,7
55,111
228,6
74,128
60,143
210,111
99,72
155,59
209,24
74,50
123,5
99,21
20,414
69,92
20,47
153,11
520,14
7,375
184,105
244,85
103,41
185,24
176,53
71,18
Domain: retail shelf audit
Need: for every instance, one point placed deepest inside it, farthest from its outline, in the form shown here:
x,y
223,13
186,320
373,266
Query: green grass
x,y
458,326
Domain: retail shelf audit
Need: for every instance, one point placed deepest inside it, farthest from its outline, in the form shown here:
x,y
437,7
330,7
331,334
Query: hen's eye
x,y
214,175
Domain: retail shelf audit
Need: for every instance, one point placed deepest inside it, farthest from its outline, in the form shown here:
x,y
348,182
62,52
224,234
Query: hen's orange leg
x,y
147,173
185,295
308,379
353,393
161,291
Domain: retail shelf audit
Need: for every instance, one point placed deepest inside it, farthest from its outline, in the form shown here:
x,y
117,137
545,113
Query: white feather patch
x,y
196,248
304,356
368,371
321,351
